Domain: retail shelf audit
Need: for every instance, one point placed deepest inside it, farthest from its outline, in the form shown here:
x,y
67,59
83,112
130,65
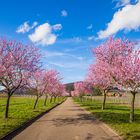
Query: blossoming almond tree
x,y
37,83
128,75
45,82
98,77
122,63
17,62
57,90
81,88
51,77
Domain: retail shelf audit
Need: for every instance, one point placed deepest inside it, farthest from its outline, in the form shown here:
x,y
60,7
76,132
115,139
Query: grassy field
x,y
116,116
20,111
124,100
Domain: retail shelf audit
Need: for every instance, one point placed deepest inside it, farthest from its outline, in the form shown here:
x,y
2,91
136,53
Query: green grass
x,y
20,111
116,116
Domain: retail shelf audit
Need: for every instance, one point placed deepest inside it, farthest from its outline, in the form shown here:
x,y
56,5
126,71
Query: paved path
x,y
67,122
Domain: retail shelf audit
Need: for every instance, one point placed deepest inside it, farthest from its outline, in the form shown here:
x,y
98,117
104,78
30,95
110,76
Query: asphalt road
x,y
67,122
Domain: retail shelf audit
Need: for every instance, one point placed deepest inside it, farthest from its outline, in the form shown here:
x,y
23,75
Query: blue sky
x,y
67,30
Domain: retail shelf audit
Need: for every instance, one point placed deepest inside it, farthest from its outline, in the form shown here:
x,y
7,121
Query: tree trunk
x,y
54,99
45,100
7,106
51,99
132,107
81,99
91,97
36,102
104,101
58,99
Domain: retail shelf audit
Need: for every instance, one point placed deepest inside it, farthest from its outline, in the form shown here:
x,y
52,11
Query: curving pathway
x,y
67,122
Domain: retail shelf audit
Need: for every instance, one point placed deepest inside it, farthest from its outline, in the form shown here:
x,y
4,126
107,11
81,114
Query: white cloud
x,y
128,18
43,34
89,27
64,13
62,54
57,64
25,27
137,1
91,38
80,58
57,27
121,3
70,65
73,40
53,54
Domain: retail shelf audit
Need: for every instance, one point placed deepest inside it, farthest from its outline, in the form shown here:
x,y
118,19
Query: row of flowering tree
x,y
117,65
20,67
45,83
81,88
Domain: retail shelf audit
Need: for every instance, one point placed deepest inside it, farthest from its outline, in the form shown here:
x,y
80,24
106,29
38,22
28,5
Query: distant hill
x,y
69,87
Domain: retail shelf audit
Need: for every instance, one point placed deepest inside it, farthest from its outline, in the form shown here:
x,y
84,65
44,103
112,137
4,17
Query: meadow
x,y
20,111
116,115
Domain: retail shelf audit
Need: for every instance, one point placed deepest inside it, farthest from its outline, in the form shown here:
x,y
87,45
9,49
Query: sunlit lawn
x,y
116,116
20,111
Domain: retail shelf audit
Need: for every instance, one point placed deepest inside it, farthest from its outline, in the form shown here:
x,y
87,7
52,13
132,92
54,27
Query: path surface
x,y
67,122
